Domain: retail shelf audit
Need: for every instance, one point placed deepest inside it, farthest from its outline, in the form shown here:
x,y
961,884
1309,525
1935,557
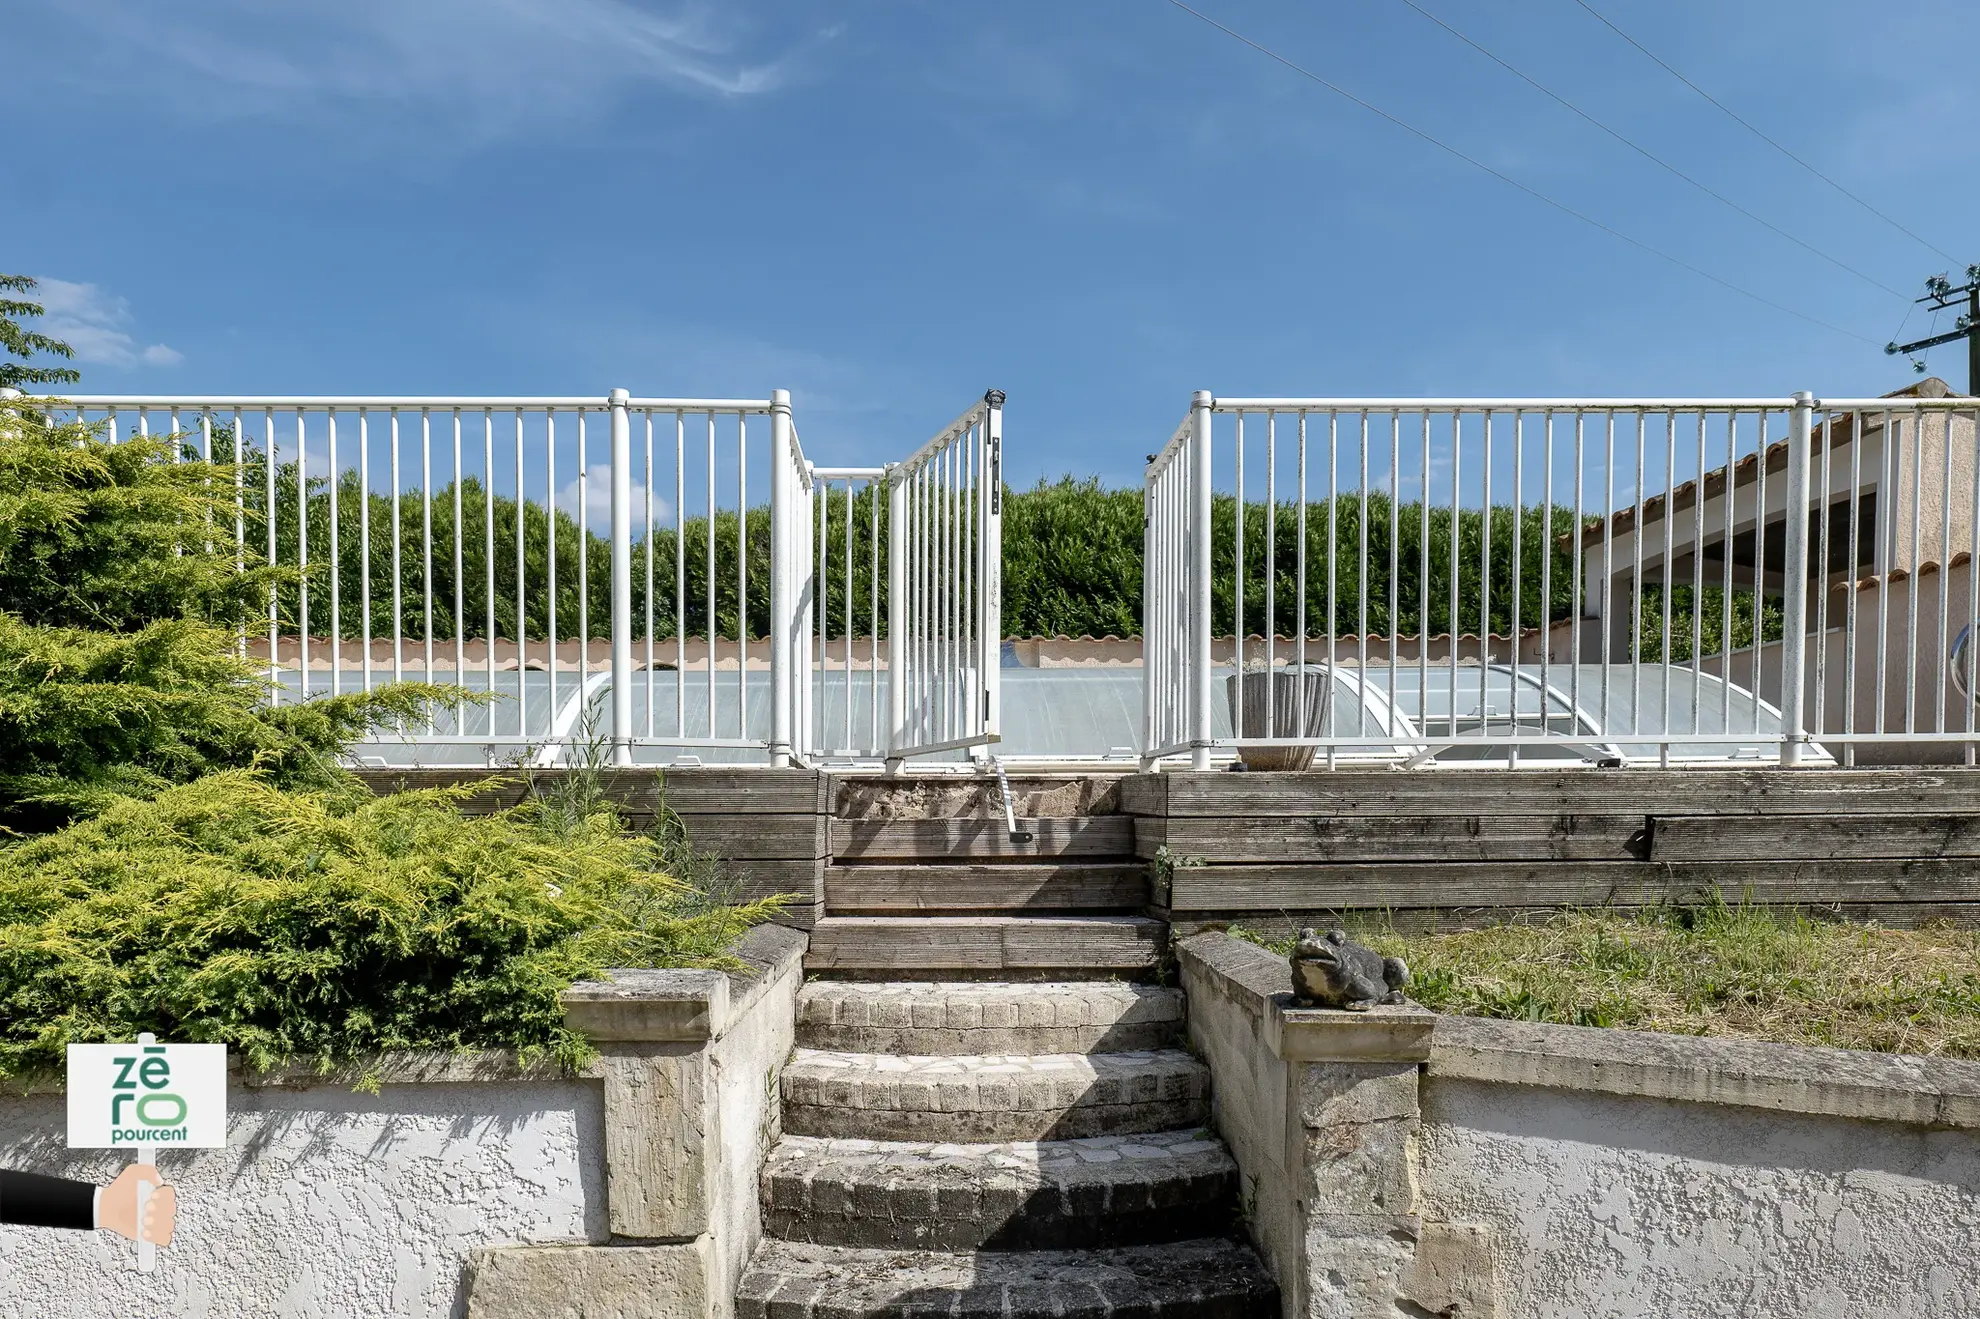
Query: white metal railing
x,y
848,721
453,541
1605,579
945,583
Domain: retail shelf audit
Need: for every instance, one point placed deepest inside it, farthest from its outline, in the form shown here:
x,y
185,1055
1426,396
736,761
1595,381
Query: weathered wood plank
x,y
1398,838
986,943
880,890
799,916
1689,791
758,837
725,791
1566,884
1819,838
936,840
1145,794
1433,920
804,880
877,797
730,791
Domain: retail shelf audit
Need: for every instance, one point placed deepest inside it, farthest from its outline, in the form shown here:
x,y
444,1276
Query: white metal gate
x,y
893,571
454,541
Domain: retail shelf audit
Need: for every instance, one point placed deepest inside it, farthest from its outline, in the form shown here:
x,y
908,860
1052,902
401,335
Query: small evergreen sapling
x,y
120,600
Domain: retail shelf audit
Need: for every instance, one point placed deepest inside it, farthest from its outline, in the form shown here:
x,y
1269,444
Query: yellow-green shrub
x,y
329,925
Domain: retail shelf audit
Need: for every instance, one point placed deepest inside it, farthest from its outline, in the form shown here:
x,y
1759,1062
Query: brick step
x,y
987,1017
1090,945
1089,836
1056,1096
986,887
1076,1194
1202,1279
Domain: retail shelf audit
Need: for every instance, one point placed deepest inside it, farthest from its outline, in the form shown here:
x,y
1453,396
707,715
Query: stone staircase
x,y
998,1150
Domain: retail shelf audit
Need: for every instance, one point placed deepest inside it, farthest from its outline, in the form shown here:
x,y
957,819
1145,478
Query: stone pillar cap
x,y
1380,1034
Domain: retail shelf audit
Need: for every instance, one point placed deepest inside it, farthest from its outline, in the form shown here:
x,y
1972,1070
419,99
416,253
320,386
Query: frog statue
x,y
1328,971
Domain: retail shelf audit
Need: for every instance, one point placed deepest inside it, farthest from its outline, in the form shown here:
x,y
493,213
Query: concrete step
x,y
977,945
1074,1194
987,1017
1093,836
1203,1279
1055,1096
996,887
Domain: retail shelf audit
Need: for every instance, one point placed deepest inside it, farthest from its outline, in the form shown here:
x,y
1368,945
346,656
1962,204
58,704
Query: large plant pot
x,y
1285,686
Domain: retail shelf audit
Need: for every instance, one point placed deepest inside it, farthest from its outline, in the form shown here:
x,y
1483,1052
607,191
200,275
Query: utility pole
x,y
1941,294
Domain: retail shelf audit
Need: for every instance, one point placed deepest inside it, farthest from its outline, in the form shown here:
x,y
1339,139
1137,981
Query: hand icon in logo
x,y
117,1207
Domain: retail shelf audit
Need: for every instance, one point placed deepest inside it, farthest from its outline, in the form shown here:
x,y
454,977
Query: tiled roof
x,y
1843,430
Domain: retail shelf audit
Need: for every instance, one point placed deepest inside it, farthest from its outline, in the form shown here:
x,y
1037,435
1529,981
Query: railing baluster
x,y
302,554
274,560
336,567
522,599
364,540
648,556
708,579
460,576
552,709
398,593
1667,577
680,573
1971,701
621,584
742,576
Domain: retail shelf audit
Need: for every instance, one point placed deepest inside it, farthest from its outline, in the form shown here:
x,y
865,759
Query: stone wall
x,y
1320,1111
1549,1172
690,1064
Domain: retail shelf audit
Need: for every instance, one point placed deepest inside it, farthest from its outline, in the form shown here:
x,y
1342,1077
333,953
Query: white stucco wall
x,y
1603,1204
326,1202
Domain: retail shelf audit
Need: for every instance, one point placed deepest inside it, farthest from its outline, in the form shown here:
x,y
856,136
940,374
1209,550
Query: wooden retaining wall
x,y
1445,848
1427,848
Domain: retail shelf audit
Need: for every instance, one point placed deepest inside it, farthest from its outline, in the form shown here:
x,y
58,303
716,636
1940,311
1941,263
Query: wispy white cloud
x,y
97,325
479,66
594,496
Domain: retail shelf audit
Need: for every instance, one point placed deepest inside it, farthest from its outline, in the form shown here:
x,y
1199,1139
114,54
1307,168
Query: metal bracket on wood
x,y
1010,806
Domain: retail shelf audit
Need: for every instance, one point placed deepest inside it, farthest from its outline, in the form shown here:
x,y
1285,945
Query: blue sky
x,y
886,206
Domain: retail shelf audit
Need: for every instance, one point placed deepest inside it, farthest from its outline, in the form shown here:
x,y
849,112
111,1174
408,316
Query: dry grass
x,y
1715,970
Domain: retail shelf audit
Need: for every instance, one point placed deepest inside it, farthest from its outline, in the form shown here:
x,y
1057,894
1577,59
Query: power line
x,y
1735,117
1534,193
1652,157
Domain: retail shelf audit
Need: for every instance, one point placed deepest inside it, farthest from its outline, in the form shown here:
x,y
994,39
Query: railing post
x,y
783,575
1199,594
990,569
1794,582
1153,676
622,677
897,614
